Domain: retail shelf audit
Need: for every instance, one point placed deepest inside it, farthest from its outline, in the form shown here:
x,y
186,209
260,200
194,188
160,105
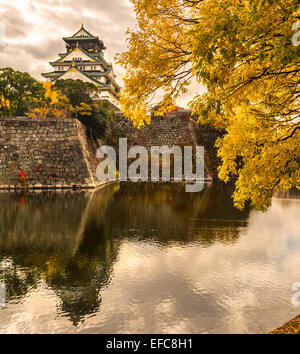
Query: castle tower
x,y
84,60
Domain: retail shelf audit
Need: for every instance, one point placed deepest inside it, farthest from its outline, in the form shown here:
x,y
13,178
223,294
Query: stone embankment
x,y
45,153
57,153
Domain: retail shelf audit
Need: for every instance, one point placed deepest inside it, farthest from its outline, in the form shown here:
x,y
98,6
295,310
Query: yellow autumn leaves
x,y
242,53
58,105
55,105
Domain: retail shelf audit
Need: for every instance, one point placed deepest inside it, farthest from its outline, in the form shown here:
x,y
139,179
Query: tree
x,y
98,123
96,116
76,91
56,105
242,53
19,92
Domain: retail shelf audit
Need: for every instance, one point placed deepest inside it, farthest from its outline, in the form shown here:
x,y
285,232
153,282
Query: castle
x,y
84,60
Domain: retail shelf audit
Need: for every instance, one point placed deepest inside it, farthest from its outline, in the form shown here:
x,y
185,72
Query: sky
x,y
34,29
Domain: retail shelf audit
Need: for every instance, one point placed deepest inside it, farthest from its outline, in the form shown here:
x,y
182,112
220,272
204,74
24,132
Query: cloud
x,y
34,29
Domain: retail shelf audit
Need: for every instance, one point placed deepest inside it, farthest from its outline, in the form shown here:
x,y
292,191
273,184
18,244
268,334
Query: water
x,y
146,258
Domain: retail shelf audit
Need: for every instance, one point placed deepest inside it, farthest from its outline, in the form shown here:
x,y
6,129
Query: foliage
x,y
19,92
82,110
242,53
75,98
22,175
40,112
76,91
98,121
96,116
57,104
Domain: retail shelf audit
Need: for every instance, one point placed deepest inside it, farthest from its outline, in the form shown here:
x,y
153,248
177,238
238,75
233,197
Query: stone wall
x,y
177,128
56,153
52,152
174,129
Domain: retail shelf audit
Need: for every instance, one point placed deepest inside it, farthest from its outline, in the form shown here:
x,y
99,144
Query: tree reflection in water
x,y
70,240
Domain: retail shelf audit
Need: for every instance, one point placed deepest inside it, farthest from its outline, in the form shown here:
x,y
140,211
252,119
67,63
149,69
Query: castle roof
x,y
77,49
56,75
82,32
84,35
84,52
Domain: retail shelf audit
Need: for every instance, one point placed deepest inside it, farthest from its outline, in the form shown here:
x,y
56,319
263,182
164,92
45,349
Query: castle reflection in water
x,y
69,243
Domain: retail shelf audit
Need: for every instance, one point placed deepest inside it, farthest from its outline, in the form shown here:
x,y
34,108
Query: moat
x,y
147,258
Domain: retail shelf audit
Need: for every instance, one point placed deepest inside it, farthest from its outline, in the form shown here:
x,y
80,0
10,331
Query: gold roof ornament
x,y
73,68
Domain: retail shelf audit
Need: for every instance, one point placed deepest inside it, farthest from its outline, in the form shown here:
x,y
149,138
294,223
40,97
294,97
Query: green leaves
x,y
76,91
19,92
96,116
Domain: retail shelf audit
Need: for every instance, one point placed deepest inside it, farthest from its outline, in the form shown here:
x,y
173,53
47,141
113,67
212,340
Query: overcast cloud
x,y
34,30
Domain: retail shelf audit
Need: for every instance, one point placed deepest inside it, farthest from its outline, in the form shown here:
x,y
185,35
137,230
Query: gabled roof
x,y
82,31
74,50
86,75
57,74
84,36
